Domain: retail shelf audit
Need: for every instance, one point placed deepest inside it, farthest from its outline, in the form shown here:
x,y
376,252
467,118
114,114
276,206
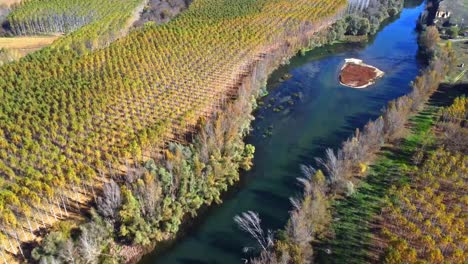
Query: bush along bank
x,y
342,169
357,24
150,203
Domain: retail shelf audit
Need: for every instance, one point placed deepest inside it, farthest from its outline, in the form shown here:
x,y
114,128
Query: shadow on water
x,y
296,122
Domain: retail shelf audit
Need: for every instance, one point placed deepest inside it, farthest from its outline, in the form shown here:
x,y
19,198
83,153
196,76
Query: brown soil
x,y
9,2
355,75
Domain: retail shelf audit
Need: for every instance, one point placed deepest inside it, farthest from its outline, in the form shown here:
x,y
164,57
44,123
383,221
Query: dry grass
x,y
8,2
460,47
44,217
25,45
461,53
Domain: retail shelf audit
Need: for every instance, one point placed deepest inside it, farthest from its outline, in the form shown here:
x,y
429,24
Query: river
x,y
298,119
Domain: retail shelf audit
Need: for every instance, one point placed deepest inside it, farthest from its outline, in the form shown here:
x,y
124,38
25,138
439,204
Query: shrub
x,y
453,31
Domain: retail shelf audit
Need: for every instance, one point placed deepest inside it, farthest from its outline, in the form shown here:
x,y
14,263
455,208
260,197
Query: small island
x,y
357,74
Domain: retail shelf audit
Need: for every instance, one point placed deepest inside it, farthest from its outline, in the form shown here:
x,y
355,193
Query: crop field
x,y
9,2
100,22
460,74
68,125
433,195
13,48
26,42
25,45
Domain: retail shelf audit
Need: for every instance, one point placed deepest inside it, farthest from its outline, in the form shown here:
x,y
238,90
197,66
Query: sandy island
x,y
357,74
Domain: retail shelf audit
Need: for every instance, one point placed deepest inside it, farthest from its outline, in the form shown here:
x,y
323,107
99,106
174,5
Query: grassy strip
x,y
353,226
459,76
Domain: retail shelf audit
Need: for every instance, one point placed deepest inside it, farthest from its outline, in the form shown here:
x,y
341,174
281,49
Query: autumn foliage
x,y
426,219
71,121
89,24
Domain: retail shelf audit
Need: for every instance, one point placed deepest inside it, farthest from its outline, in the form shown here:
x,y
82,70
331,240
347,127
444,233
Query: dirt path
x,y
26,45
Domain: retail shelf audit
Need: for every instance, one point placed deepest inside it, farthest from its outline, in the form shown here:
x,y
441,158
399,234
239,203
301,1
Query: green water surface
x,y
299,119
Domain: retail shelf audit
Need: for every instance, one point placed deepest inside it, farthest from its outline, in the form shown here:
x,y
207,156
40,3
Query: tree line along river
x,y
295,122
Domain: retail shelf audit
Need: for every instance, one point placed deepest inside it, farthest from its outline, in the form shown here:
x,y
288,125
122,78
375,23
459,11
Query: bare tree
x,y
111,200
91,241
356,6
148,191
250,222
68,252
269,257
373,134
89,247
299,229
333,165
396,115
306,181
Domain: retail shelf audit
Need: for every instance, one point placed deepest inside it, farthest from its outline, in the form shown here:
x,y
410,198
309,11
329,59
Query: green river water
x,y
315,112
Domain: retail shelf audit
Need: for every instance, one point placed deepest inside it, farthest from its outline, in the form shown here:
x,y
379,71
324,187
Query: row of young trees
x,y
71,122
426,218
8,55
90,24
377,9
342,168
368,21
152,202
454,125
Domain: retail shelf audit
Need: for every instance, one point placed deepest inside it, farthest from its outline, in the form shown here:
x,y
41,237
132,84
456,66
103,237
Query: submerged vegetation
x,y
148,129
109,141
343,169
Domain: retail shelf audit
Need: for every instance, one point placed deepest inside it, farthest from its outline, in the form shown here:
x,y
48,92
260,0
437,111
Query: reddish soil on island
x,y
357,75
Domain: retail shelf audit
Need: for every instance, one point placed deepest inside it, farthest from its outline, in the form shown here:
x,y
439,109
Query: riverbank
x,y
314,110
343,169
360,215
182,178
312,38
186,199
250,85
359,232
351,236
